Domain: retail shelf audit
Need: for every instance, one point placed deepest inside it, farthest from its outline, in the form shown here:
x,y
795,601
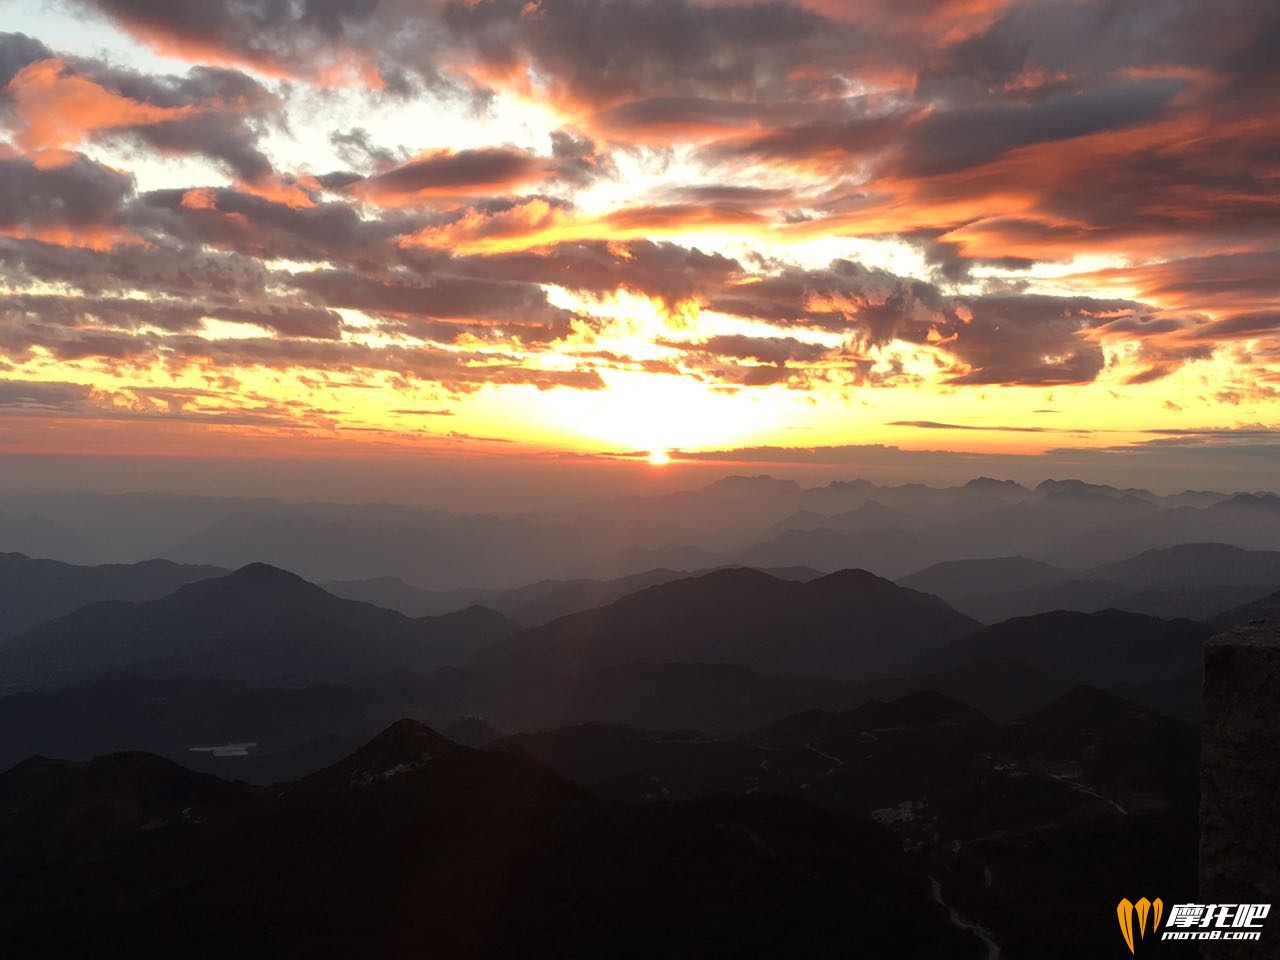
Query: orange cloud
x,y
200,198
452,173
57,109
85,237
277,190
536,223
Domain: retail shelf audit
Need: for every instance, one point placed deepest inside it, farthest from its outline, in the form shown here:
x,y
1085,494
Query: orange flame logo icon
x,y
1125,912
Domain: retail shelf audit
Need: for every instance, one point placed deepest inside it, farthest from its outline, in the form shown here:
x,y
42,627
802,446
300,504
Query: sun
x,y
659,458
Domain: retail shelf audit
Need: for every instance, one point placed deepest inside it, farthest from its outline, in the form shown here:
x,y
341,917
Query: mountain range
x,y
33,591
1091,790
415,845
1191,580
849,625
891,530
259,624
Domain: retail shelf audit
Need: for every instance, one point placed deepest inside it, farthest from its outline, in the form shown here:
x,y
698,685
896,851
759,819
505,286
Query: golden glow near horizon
x,y
518,254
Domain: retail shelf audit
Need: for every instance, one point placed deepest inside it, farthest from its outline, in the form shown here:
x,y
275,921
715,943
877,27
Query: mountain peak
x,y
1252,501
752,486
851,577
262,573
403,747
990,483
1090,707
406,747
919,708
255,580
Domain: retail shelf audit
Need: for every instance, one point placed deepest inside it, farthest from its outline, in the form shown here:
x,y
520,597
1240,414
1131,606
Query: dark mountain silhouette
x,y
1195,565
1261,503
1078,488
540,603
33,591
173,714
297,730
1007,689
1189,603
1092,788
56,808
849,625
923,708
1090,596
417,846
531,605
1002,689
393,593
1192,580
991,485
1265,608
962,579
1106,648
635,560
260,624
1114,739
1178,697
717,697
860,760
921,746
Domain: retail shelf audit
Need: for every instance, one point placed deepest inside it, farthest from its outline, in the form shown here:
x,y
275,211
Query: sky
x,y
1036,233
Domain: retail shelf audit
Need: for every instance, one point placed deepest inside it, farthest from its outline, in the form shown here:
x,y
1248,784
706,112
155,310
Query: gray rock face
x,y
1240,780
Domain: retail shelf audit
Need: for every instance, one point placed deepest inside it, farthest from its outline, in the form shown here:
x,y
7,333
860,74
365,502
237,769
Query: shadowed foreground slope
x,y
415,846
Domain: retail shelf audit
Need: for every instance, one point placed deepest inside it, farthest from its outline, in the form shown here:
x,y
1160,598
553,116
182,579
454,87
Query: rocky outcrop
x,y
1240,779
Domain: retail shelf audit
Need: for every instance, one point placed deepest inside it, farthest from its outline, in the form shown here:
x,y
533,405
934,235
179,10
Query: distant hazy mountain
x,y
33,591
1107,648
416,846
38,536
892,530
849,625
1193,580
127,527
886,552
260,624
1071,526
438,549
1106,541
540,603
1091,596
531,605
1195,565
962,579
